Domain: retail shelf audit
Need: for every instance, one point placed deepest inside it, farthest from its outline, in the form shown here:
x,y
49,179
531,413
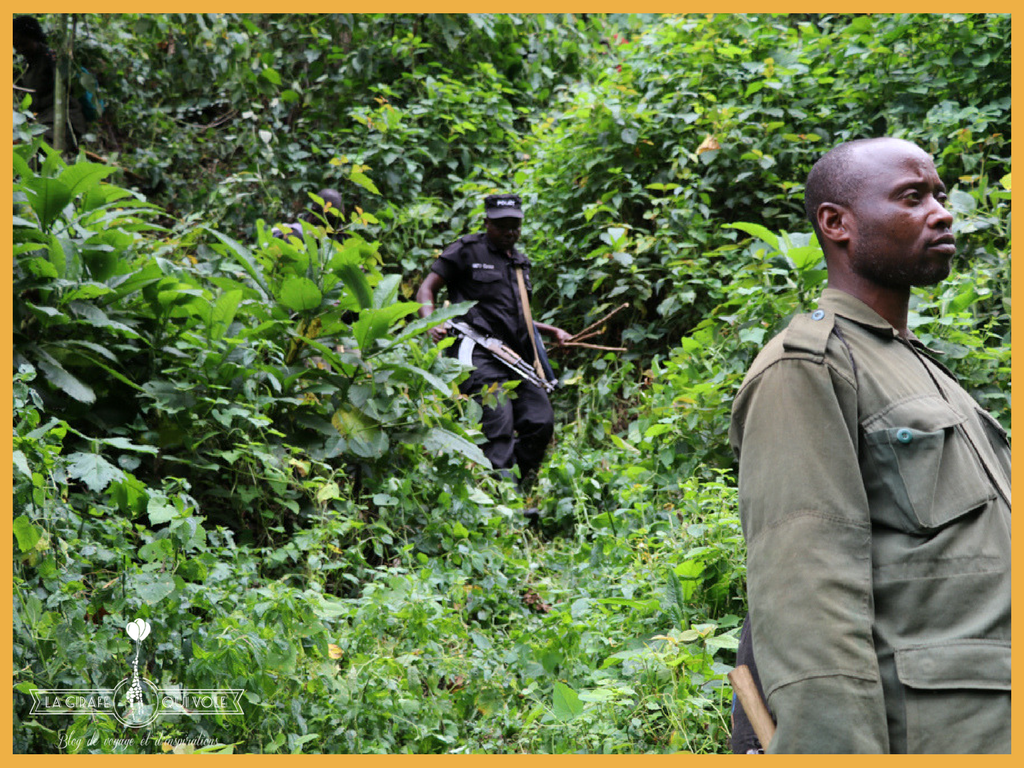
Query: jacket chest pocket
x,y
920,471
486,274
956,696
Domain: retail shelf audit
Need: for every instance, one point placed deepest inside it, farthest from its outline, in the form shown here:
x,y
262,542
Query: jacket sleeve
x,y
807,525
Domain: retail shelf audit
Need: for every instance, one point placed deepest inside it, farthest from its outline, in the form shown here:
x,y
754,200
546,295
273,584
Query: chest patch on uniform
x,y
478,265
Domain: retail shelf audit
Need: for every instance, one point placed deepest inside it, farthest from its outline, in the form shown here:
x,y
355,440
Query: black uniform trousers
x,y
518,430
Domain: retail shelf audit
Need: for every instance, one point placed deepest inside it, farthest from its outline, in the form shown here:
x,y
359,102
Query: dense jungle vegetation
x,y
253,445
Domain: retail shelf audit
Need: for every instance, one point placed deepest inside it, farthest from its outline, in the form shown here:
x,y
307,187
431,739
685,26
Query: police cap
x,y
502,206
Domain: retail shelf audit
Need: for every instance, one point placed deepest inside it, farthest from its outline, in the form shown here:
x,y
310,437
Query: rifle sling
x,y
525,301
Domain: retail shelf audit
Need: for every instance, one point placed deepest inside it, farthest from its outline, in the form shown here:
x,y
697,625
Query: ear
x,y
834,221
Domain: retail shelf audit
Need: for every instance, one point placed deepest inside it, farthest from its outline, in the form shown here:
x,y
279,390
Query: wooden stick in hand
x,y
602,320
750,699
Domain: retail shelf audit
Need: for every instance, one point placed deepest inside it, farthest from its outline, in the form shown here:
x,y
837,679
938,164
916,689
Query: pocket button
x,y
904,435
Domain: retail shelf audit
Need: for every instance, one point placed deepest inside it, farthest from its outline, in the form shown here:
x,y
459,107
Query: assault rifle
x,y
499,350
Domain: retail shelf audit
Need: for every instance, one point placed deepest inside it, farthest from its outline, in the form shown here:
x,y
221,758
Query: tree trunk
x,y
65,43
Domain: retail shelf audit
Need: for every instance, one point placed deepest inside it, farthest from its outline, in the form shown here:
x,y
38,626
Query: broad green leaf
x,y
246,259
160,511
441,439
566,702
26,533
328,492
151,588
643,606
386,290
682,581
963,300
93,470
81,177
102,262
92,346
364,436
173,293
598,695
345,363
48,315
375,323
47,198
805,257
756,230
657,429
300,294
479,497
719,642
434,381
130,495
95,316
614,236
125,444
21,166
961,202
355,280
54,161
41,267
272,75
87,292
125,285
753,335
63,380
160,549
438,316
59,259
223,313
363,181
21,463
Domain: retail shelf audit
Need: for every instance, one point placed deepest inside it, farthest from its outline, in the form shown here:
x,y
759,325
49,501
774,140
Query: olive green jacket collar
x,y
855,310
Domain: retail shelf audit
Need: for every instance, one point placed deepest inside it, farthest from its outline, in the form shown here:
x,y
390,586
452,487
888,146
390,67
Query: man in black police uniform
x,y
482,267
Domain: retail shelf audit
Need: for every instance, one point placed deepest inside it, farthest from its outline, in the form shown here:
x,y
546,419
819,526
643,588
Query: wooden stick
x,y
589,346
602,320
750,698
582,336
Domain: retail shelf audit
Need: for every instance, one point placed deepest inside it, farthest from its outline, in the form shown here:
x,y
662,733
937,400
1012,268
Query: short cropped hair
x,y
832,180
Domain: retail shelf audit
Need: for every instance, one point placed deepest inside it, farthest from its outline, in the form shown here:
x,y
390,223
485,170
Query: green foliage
x,y
416,100
249,442
705,123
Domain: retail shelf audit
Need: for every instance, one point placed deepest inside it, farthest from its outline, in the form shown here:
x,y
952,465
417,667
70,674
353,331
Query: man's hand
x,y
437,333
425,296
556,333
561,337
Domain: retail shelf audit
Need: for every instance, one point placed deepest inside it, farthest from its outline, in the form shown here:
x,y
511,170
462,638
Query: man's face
x,y
900,230
504,232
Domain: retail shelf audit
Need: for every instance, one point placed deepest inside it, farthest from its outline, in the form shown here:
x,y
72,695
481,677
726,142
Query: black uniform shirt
x,y
475,270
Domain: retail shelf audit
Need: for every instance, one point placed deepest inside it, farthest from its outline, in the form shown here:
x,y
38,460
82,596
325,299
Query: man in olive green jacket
x,y
874,491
